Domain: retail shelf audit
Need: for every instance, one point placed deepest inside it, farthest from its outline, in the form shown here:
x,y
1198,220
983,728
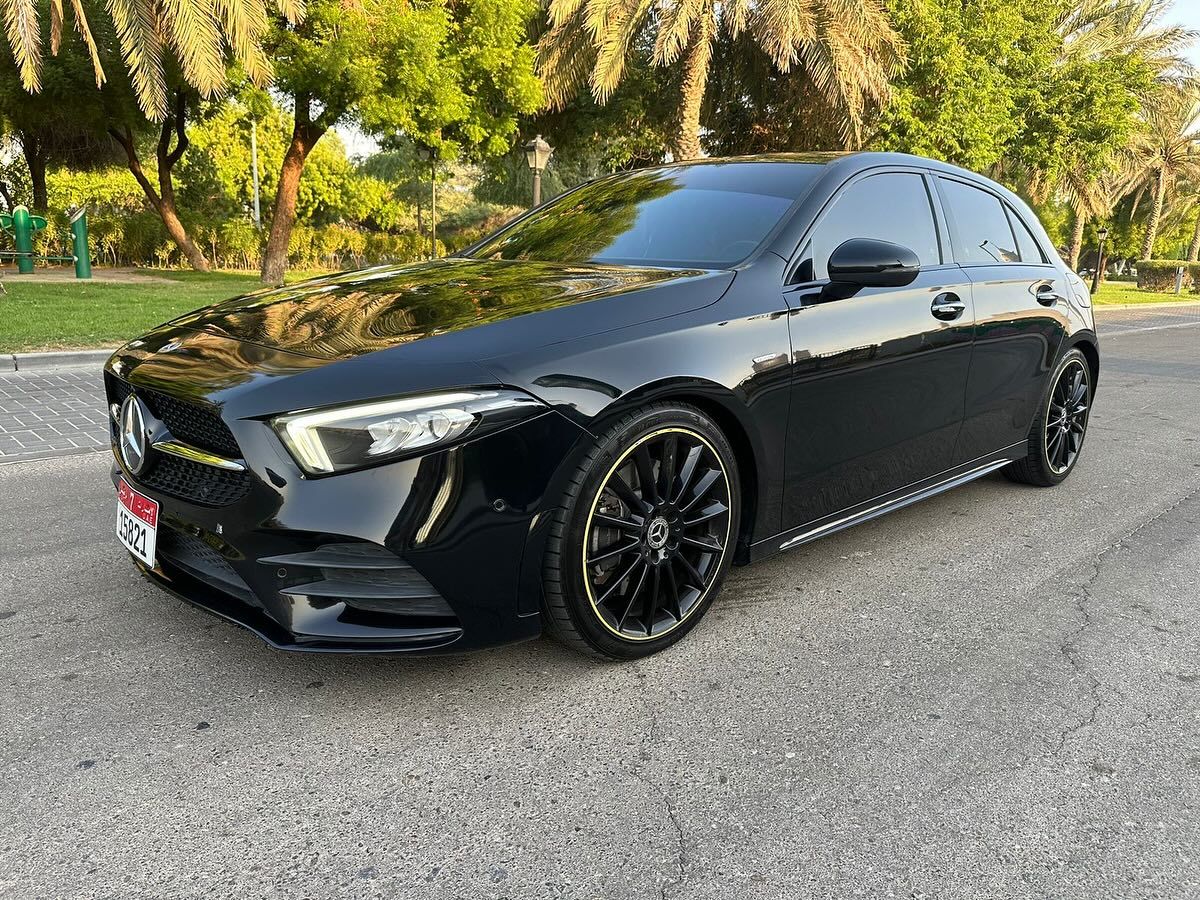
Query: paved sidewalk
x,y
61,412
51,413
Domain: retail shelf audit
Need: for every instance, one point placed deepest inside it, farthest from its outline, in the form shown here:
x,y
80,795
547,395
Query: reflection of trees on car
x,y
340,315
583,223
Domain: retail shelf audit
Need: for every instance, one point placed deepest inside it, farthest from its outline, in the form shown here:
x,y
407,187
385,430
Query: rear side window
x,y
984,233
890,207
1027,245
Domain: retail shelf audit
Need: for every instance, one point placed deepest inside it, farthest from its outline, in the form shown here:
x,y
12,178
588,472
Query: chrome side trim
x,y
195,454
891,505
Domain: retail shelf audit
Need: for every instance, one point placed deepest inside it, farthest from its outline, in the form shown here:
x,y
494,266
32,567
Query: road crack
x,y
1069,648
648,739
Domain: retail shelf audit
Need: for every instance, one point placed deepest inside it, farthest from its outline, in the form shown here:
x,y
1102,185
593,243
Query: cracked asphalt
x,y
995,693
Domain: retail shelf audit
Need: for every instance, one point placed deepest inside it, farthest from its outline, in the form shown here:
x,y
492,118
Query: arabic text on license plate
x,y
137,522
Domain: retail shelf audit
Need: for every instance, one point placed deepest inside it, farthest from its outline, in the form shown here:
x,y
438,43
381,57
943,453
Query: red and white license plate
x,y
137,522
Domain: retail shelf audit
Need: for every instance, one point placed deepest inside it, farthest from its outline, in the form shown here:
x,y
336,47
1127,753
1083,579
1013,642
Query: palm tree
x,y
1164,151
848,49
201,35
1100,29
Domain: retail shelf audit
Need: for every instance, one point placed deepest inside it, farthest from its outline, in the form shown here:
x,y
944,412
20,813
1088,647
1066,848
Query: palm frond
x,y
85,32
25,39
142,49
190,29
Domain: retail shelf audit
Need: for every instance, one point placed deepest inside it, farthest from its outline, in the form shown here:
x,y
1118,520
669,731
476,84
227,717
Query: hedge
x,y
1159,275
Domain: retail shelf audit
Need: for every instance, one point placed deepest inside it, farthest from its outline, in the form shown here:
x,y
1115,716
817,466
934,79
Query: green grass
x,y
1117,292
58,315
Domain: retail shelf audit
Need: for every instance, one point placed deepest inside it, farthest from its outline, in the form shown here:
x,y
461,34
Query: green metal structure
x,y
21,225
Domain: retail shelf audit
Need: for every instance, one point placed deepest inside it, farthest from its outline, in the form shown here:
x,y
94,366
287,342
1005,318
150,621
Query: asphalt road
x,y
995,693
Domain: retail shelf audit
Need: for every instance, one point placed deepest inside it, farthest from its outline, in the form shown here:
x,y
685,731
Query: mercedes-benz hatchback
x,y
578,424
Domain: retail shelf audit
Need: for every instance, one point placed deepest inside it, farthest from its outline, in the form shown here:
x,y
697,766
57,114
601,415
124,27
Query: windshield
x,y
711,215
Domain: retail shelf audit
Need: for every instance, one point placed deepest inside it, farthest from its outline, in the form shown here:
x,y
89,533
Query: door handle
x,y
1047,296
947,306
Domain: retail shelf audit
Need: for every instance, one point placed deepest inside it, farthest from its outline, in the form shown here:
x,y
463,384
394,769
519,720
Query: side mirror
x,y
862,262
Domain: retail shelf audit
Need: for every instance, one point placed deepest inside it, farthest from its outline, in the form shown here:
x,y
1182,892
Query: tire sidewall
x,y
1072,355
614,442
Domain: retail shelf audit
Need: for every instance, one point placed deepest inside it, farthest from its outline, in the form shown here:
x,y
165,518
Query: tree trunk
x,y
1194,249
1076,239
695,79
1160,194
36,161
304,137
162,200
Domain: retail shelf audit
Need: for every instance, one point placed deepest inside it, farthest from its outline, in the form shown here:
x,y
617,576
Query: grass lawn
x,y
55,315
1113,292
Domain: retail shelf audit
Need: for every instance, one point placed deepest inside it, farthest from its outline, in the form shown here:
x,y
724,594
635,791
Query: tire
x,y
1057,434
595,597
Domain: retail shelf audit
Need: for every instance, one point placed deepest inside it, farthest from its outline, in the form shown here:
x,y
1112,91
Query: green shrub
x,y
1159,275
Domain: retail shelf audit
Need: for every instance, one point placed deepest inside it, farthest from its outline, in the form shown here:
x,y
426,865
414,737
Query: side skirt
x,y
873,509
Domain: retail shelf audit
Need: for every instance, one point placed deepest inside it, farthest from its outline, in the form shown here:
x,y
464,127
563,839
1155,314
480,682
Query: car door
x,y
1020,315
878,378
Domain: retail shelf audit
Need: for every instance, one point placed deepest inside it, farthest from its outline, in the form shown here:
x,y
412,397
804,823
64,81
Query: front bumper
x,y
435,554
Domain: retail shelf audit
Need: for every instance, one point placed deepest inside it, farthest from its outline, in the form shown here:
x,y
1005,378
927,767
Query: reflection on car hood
x,y
359,312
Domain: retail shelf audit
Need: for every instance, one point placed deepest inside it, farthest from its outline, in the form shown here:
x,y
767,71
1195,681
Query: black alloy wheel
x,y
1056,436
1066,419
656,534
647,535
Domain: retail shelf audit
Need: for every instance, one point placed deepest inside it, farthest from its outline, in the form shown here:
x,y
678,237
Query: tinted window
x,y
983,230
1027,246
709,215
893,207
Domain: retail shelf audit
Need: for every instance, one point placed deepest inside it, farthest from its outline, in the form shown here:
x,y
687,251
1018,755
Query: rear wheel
x,y
1056,438
642,540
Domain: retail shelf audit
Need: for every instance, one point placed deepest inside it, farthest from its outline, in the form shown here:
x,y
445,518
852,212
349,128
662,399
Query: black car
x,y
578,424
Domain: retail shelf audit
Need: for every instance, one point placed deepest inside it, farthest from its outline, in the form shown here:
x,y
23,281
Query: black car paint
x,y
836,408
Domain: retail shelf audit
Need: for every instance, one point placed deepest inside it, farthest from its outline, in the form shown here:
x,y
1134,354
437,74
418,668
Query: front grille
x,y
192,424
195,482
203,562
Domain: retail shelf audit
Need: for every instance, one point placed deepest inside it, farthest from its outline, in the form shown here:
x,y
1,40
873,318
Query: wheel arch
x,y
729,413
1086,343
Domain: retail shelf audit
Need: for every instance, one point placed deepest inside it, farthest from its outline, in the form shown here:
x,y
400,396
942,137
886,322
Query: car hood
x,y
476,302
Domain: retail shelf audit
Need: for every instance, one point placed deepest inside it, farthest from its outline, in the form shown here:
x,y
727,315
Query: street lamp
x,y
1102,234
537,154
426,155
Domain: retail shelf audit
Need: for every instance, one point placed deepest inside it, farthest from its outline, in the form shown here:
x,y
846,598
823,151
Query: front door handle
x,y
947,306
1047,296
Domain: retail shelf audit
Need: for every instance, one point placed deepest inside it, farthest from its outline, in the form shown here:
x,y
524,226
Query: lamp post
x,y
537,154
1102,234
254,171
427,155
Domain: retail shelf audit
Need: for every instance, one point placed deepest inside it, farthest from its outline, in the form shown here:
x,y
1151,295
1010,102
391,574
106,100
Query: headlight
x,y
348,437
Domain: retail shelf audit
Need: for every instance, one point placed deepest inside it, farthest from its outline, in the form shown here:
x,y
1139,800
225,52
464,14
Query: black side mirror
x,y
862,262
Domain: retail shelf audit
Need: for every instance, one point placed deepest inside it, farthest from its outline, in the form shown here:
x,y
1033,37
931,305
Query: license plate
x,y
137,522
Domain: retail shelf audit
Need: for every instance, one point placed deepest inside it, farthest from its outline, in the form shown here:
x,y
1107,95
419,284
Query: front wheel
x,y
643,538
1056,438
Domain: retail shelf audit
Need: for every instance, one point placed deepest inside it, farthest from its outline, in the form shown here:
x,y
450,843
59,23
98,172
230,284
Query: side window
x,y
982,225
1027,245
891,207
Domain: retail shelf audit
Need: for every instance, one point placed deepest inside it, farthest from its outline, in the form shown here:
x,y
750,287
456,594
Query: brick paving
x,y
51,413
61,412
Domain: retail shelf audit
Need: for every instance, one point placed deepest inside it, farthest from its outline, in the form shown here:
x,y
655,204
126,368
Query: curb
x,y
1165,304
53,359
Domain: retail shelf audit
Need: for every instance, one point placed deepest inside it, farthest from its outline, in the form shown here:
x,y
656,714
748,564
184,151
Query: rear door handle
x,y
947,306
1047,296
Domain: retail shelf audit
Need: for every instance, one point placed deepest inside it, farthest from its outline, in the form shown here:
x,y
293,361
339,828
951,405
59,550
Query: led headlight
x,y
348,437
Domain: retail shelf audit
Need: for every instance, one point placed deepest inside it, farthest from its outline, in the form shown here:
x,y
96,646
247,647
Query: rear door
x,y
878,379
1020,315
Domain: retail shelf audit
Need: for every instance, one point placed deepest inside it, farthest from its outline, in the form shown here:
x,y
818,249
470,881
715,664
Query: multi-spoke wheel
x,y
645,534
1056,437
